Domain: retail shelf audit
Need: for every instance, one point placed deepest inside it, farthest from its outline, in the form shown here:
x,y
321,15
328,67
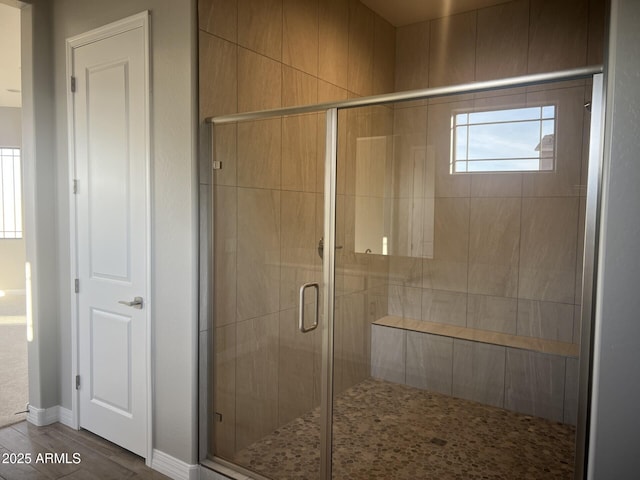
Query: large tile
x,y
577,324
430,362
225,244
406,271
298,88
571,385
300,35
388,348
256,379
452,52
564,179
328,92
409,152
405,301
355,341
552,321
298,246
406,235
299,153
548,249
596,41
502,42
494,246
259,234
478,372
260,153
444,307
258,95
360,65
333,32
224,393
412,56
497,314
260,26
295,366
377,303
384,53
448,268
562,25
225,144
218,76
535,384
219,17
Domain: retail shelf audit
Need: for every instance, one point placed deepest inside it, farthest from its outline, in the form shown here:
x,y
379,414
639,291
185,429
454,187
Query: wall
x,y
174,210
268,202
12,252
507,247
613,448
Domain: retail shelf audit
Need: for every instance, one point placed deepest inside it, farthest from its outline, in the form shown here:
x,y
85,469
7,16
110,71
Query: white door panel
x,y
110,109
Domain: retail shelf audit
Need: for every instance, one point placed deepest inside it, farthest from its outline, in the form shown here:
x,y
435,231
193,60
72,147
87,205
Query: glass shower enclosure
x,y
391,278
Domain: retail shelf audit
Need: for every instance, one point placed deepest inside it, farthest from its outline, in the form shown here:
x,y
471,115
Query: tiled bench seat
x,y
524,374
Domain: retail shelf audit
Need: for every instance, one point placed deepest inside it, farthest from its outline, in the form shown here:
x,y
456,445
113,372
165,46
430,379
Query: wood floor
x,y
95,459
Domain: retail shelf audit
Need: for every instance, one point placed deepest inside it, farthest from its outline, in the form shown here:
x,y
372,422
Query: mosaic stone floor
x,y
387,431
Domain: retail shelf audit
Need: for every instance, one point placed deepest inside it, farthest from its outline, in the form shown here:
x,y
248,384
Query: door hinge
x,y
75,187
76,284
77,382
73,84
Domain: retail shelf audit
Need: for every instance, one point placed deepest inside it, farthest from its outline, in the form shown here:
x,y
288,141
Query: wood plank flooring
x,y
98,458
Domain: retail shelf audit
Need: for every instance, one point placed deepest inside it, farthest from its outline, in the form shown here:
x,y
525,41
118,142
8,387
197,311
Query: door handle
x,y
314,325
137,303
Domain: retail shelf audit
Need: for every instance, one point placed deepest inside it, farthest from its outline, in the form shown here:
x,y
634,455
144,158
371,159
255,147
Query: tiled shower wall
x,y
268,202
507,247
257,54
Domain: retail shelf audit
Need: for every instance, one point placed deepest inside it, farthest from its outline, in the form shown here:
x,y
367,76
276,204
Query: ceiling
x,y
405,12
9,56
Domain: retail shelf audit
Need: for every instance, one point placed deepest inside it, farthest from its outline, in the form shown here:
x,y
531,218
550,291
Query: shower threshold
x,y
384,430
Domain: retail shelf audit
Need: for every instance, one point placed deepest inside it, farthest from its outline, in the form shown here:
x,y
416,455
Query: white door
x,y
111,154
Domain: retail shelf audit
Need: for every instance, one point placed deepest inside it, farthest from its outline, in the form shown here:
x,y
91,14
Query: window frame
x,y
17,193
454,162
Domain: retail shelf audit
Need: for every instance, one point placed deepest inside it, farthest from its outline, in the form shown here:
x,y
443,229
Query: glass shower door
x,y
267,295
458,285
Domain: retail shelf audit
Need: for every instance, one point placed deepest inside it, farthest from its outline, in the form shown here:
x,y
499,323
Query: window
x,y
511,140
10,193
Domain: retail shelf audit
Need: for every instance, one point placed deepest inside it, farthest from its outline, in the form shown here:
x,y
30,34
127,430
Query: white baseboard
x,y
174,468
46,416
66,417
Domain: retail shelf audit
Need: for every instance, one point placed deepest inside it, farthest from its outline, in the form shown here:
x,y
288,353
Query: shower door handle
x,y
314,325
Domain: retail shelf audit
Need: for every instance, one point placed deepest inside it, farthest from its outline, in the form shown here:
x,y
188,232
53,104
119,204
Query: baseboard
x,y
173,468
65,417
46,416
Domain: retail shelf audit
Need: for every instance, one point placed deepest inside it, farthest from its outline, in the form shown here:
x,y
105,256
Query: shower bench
x,y
528,375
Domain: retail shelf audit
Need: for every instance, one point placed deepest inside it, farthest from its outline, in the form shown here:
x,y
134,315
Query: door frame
x,y
140,20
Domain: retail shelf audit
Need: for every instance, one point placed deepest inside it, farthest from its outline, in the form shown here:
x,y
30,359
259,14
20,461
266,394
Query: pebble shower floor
x,y
384,430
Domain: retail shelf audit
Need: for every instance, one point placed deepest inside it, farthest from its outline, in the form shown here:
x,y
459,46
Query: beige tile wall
x,y
510,39
507,247
268,202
